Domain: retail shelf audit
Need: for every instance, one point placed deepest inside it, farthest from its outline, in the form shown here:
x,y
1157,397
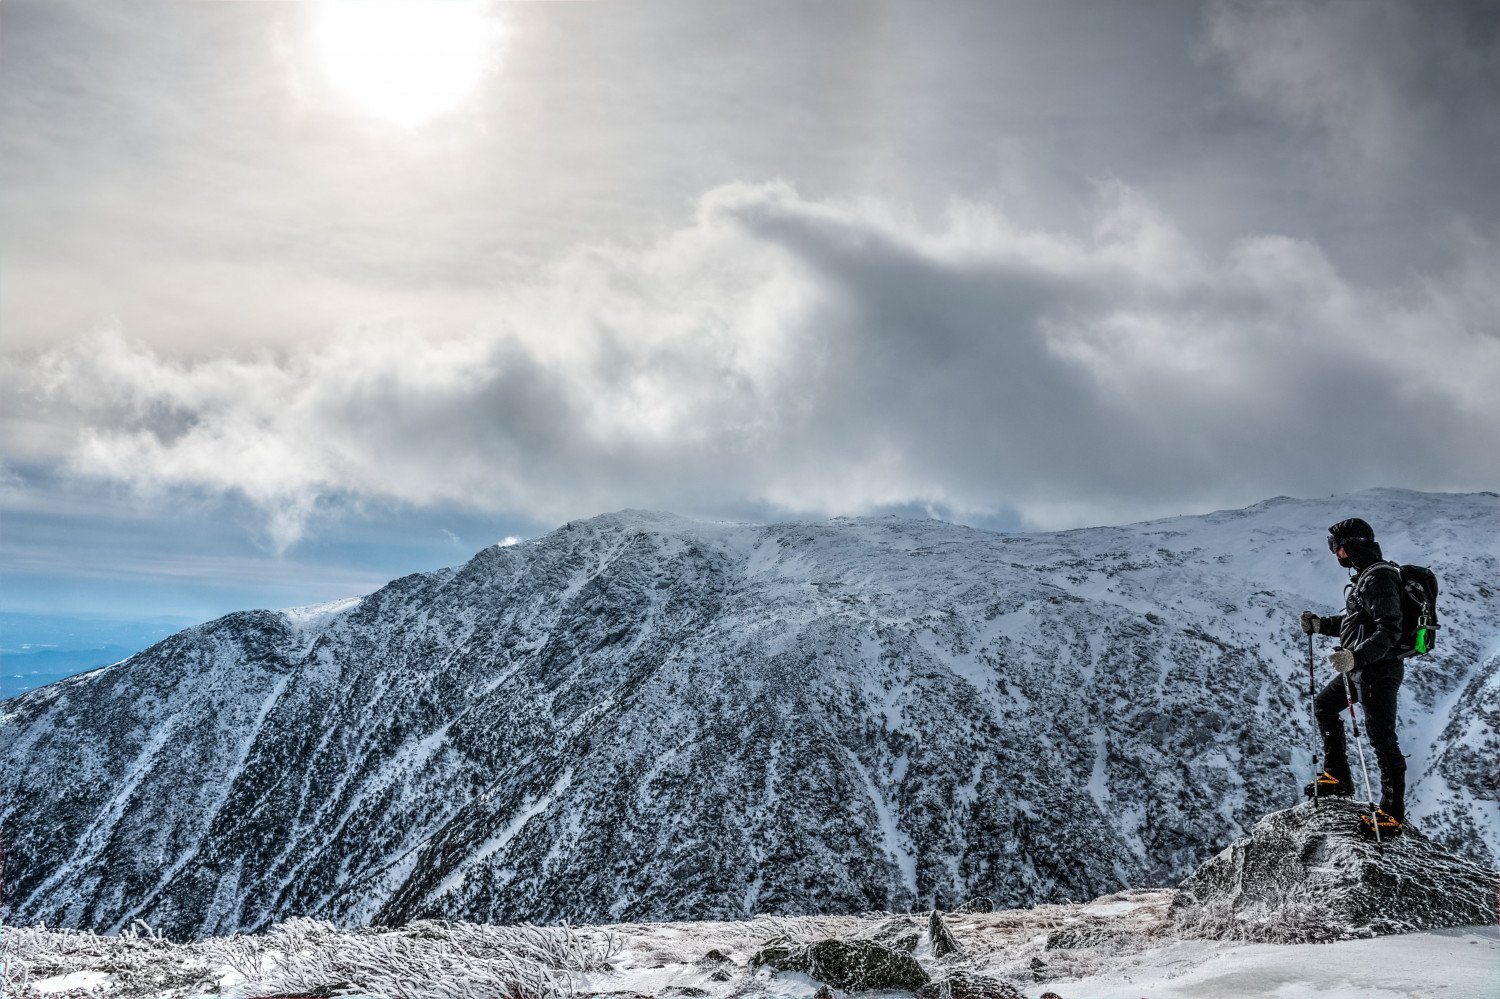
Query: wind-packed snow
x,y
311,616
831,717
1461,964
86,981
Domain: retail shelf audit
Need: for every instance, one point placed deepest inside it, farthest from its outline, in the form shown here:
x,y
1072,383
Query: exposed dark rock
x,y
968,986
774,953
898,933
851,965
1306,867
943,943
716,956
824,992
1079,937
685,991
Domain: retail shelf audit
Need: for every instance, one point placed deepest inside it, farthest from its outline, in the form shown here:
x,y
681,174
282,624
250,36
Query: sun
x,y
407,61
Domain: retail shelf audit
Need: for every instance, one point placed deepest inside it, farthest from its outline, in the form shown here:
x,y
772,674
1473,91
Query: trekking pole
x,y
1359,741
1312,706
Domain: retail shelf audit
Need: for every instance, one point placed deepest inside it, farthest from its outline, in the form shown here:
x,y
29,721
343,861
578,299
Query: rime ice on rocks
x,y
1126,944
1304,874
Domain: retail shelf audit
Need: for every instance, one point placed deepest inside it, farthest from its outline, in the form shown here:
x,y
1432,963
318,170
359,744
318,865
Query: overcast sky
x,y
275,331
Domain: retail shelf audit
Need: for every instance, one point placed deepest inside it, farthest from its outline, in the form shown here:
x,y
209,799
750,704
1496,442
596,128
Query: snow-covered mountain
x,y
643,717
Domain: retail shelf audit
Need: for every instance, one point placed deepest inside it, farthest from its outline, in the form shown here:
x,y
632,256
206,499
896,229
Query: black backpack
x,y
1419,590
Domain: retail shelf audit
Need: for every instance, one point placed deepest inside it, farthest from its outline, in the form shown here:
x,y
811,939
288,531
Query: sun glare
x,y
407,61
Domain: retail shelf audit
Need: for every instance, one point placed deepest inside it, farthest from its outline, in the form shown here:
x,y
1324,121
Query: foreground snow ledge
x,y
1122,946
1462,964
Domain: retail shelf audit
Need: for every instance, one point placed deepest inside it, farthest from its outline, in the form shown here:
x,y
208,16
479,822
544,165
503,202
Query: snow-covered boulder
x,y
895,953
968,985
943,943
853,965
1305,874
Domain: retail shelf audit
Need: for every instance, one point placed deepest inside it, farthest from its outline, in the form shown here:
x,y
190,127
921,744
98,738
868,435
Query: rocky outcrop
x,y
895,953
968,985
943,943
1304,873
897,933
852,965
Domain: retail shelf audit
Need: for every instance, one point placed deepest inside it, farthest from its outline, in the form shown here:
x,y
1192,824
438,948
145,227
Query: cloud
x,y
837,357
1380,76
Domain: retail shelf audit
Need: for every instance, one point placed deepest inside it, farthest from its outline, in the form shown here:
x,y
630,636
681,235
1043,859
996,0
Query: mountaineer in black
x,y
1369,632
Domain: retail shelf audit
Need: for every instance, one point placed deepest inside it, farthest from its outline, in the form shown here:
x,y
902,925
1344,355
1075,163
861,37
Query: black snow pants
x,y
1374,687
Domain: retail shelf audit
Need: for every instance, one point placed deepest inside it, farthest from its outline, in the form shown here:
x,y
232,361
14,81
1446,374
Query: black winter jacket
x,y
1370,626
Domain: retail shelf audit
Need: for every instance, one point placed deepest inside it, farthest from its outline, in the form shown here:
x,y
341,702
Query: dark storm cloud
x,y
824,357
1393,127
1080,261
1386,78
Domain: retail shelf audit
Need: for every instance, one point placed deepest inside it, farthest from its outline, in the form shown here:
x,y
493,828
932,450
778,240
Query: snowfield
x,y
1123,946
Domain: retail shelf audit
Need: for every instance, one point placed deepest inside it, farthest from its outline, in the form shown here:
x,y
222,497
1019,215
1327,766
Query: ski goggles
x,y
1334,544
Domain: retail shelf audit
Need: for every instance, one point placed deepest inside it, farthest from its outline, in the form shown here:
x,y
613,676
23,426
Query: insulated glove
x,y
1342,659
1310,623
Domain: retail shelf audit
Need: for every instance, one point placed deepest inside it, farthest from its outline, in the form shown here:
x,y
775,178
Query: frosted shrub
x,y
810,929
425,960
431,959
139,961
1290,923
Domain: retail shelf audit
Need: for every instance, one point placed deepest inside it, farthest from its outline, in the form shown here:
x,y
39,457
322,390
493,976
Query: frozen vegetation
x,y
1119,947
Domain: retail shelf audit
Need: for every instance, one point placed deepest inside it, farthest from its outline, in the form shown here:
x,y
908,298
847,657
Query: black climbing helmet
x,y
1351,530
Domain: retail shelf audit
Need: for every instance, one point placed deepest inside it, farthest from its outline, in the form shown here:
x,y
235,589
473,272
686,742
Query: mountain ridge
x,y
643,716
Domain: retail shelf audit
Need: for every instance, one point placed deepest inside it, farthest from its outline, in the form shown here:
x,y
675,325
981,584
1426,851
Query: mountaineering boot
x,y
1392,803
1390,826
1393,785
1325,785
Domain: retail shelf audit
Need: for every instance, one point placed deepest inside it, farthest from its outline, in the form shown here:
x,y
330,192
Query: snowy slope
x,y
644,717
